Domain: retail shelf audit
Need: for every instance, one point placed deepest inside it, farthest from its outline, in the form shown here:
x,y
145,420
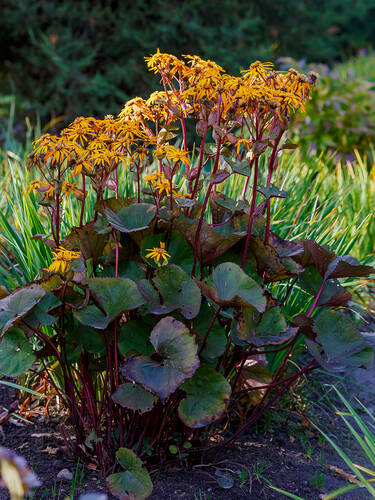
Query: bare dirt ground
x,y
282,450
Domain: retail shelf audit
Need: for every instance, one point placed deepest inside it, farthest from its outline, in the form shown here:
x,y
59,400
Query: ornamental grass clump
x,y
156,319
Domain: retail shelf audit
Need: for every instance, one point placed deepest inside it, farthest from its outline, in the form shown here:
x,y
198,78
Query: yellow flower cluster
x,y
159,183
192,88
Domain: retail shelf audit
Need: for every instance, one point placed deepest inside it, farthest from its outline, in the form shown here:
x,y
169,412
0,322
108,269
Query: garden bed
x,y
287,454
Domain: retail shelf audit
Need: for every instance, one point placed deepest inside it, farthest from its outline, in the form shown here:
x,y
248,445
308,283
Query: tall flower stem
x,y
271,169
252,209
83,199
199,227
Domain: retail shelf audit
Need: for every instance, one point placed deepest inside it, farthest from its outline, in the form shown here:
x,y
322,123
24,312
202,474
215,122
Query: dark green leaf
x,y
231,286
135,482
178,290
92,340
174,361
39,315
272,191
208,394
134,337
343,345
239,167
217,340
135,217
332,294
116,295
134,397
15,306
16,353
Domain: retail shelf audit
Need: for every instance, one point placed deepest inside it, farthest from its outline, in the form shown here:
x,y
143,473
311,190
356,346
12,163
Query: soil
x,y
282,450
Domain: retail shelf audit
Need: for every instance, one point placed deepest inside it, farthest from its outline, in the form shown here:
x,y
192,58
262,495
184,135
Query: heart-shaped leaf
x,y
343,345
91,339
116,295
346,266
178,290
15,306
232,286
211,243
232,205
208,394
135,217
271,191
272,329
134,337
175,359
39,315
16,353
219,177
255,373
239,167
132,484
329,265
134,397
267,262
332,293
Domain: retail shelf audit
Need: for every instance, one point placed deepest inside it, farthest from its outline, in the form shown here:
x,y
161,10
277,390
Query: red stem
x,y
270,172
196,240
316,298
83,200
251,215
200,163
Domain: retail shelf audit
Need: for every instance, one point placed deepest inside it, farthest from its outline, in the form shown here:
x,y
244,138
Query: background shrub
x,y
340,118
86,57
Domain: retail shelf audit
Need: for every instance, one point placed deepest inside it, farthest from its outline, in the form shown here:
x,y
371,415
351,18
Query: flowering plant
x,y
164,309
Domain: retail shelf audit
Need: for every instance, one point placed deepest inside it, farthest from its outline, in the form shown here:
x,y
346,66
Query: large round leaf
x,y
92,340
208,394
272,329
179,250
216,341
178,290
232,286
135,217
134,397
16,353
39,315
343,345
18,304
175,359
134,337
132,484
116,295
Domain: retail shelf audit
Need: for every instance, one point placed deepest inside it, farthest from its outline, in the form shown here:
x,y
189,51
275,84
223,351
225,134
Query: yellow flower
x,y
172,153
70,187
61,259
43,188
166,64
158,254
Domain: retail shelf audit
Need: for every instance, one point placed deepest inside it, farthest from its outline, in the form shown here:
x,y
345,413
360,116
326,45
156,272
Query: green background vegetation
x,y
72,58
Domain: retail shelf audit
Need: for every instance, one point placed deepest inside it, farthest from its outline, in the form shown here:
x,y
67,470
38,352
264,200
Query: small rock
x,y
65,474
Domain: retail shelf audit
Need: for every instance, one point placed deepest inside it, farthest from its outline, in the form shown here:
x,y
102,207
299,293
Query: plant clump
x,y
164,313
